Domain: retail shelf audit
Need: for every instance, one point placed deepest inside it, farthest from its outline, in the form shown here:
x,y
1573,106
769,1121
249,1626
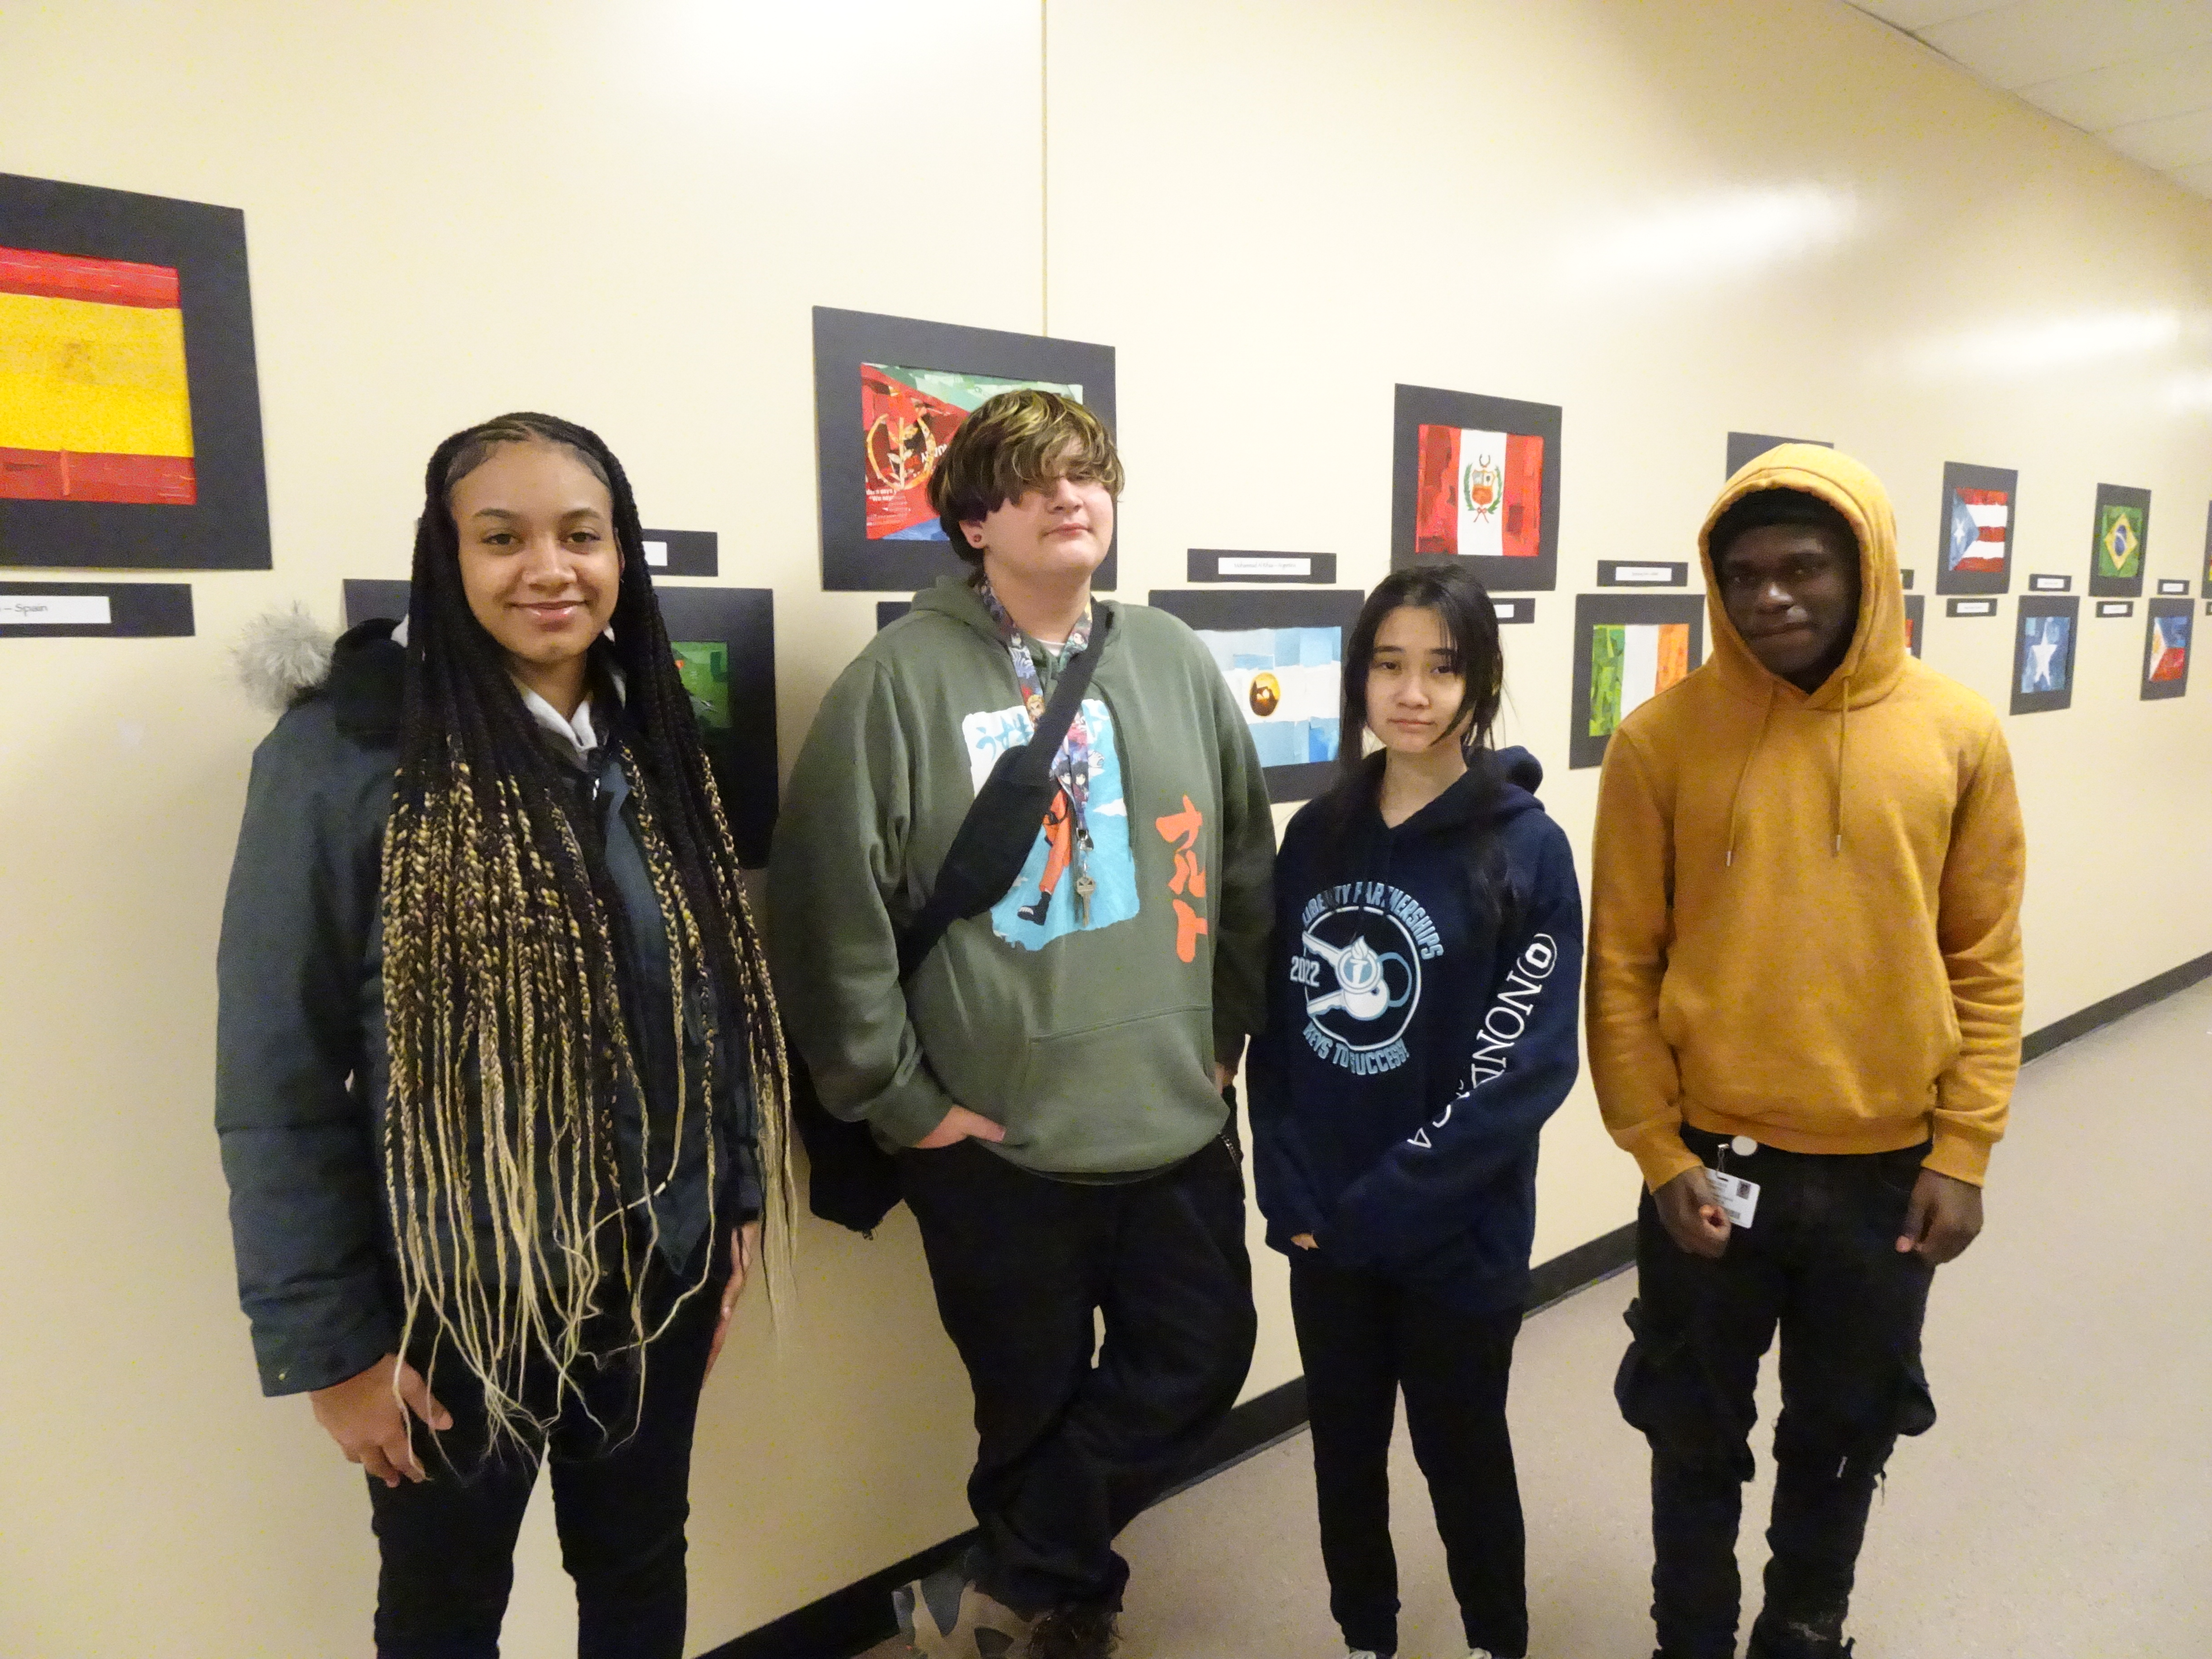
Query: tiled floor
x,y
2060,1509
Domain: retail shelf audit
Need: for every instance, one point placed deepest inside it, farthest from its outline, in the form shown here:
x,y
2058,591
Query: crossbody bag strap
x,y
994,838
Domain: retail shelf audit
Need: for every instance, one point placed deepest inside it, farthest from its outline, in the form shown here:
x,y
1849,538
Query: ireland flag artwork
x,y
1479,493
1631,663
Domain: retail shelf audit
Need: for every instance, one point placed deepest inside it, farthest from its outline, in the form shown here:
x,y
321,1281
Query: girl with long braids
x,y
500,1087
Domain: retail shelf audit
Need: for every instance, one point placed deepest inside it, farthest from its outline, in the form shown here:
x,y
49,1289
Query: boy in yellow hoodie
x,y
1803,1000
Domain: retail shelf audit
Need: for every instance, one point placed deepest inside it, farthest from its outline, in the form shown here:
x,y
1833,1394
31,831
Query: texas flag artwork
x,y
1978,522
94,403
1631,663
1479,494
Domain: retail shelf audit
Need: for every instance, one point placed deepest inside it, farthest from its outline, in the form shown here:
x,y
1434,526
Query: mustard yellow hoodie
x,y
1805,910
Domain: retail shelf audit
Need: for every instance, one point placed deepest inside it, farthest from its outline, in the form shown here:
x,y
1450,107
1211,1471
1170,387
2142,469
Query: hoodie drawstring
x,y
1750,754
1843,735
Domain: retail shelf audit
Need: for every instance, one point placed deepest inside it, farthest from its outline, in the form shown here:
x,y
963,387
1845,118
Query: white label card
x,y
1738,1198
1657,574
56,611
1272,567
656,553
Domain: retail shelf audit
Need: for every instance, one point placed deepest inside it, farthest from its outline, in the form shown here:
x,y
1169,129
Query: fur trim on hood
x,y
282,656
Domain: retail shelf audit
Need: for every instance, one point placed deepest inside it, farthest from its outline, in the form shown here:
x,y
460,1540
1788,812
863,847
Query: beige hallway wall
x,y
1673,218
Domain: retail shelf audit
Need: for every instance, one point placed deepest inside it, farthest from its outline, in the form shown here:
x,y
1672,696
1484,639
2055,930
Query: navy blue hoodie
x,y
1413,1052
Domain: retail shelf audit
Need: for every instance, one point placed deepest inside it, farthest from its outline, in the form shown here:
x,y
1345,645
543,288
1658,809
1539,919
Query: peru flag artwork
x,y
1479,493
1978,519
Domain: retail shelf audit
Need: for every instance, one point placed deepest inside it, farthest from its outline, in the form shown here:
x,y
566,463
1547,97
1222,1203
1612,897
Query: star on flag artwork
x,y
1631,663
910,415
2044,662
94,402
1978,520
2043,640
1481,494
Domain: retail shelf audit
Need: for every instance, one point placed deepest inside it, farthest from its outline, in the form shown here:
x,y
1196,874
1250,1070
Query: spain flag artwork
x,y
94,400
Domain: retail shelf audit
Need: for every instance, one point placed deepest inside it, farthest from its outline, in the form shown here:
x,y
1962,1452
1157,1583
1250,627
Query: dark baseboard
x,y
852,1620
2036,1044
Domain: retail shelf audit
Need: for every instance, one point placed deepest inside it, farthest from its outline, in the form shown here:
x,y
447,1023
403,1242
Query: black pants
x,y
1072,1445
1820,1261
1363,1338
619,1503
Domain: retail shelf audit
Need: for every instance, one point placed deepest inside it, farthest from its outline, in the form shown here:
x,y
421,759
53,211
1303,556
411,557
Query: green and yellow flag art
x,y
704,668
2119,541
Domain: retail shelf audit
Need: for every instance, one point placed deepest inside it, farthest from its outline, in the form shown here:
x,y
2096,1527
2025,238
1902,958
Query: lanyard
x,y
1072,766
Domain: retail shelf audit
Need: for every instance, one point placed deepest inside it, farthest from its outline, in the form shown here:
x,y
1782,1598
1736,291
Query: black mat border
x,y
1413,407
2118,587
226,528
2160,690
1228,608
1745,447
1609,572
1597,610
138,611
1203,564
1962,475
2045,605
844,340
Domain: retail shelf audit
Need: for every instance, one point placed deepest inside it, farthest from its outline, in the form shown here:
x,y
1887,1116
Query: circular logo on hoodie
x,y
1358,967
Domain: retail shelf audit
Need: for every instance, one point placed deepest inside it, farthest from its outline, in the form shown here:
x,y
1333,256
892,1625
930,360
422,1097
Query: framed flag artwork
x,y
1628,648
2119,535
889,393
2167,636
130,410
1745,447
1281,652
1973,552
1916,623
1477,478
2043,653
724,639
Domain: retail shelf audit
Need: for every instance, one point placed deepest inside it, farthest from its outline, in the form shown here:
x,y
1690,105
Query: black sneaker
x,y
1078,1630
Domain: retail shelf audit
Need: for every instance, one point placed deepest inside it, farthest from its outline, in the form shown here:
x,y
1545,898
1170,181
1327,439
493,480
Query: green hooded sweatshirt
x,y
1093,1044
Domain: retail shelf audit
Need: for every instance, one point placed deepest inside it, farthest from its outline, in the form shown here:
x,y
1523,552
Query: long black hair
x,y
508,1016
1462,604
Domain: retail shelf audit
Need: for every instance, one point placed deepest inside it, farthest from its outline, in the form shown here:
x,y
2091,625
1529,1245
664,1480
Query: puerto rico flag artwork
x,y
2169,649
910,415
1479,493
93,401
1631,663
1978,524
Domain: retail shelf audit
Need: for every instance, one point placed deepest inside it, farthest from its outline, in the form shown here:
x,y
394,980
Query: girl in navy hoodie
x,y
1422,997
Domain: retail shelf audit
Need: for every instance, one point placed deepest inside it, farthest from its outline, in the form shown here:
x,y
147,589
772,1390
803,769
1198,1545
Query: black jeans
x,y
1362,1338
1820,1261
619,1503
1074,1445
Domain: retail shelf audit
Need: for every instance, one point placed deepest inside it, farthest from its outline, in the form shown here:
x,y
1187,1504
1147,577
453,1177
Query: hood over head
x,y
1876,658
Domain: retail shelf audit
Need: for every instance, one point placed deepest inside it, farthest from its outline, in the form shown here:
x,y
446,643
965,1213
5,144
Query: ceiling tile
x,y
2178,140
2019,45
2141,89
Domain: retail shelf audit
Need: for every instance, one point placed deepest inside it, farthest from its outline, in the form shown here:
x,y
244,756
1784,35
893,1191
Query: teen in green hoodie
x,y
1051,1075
